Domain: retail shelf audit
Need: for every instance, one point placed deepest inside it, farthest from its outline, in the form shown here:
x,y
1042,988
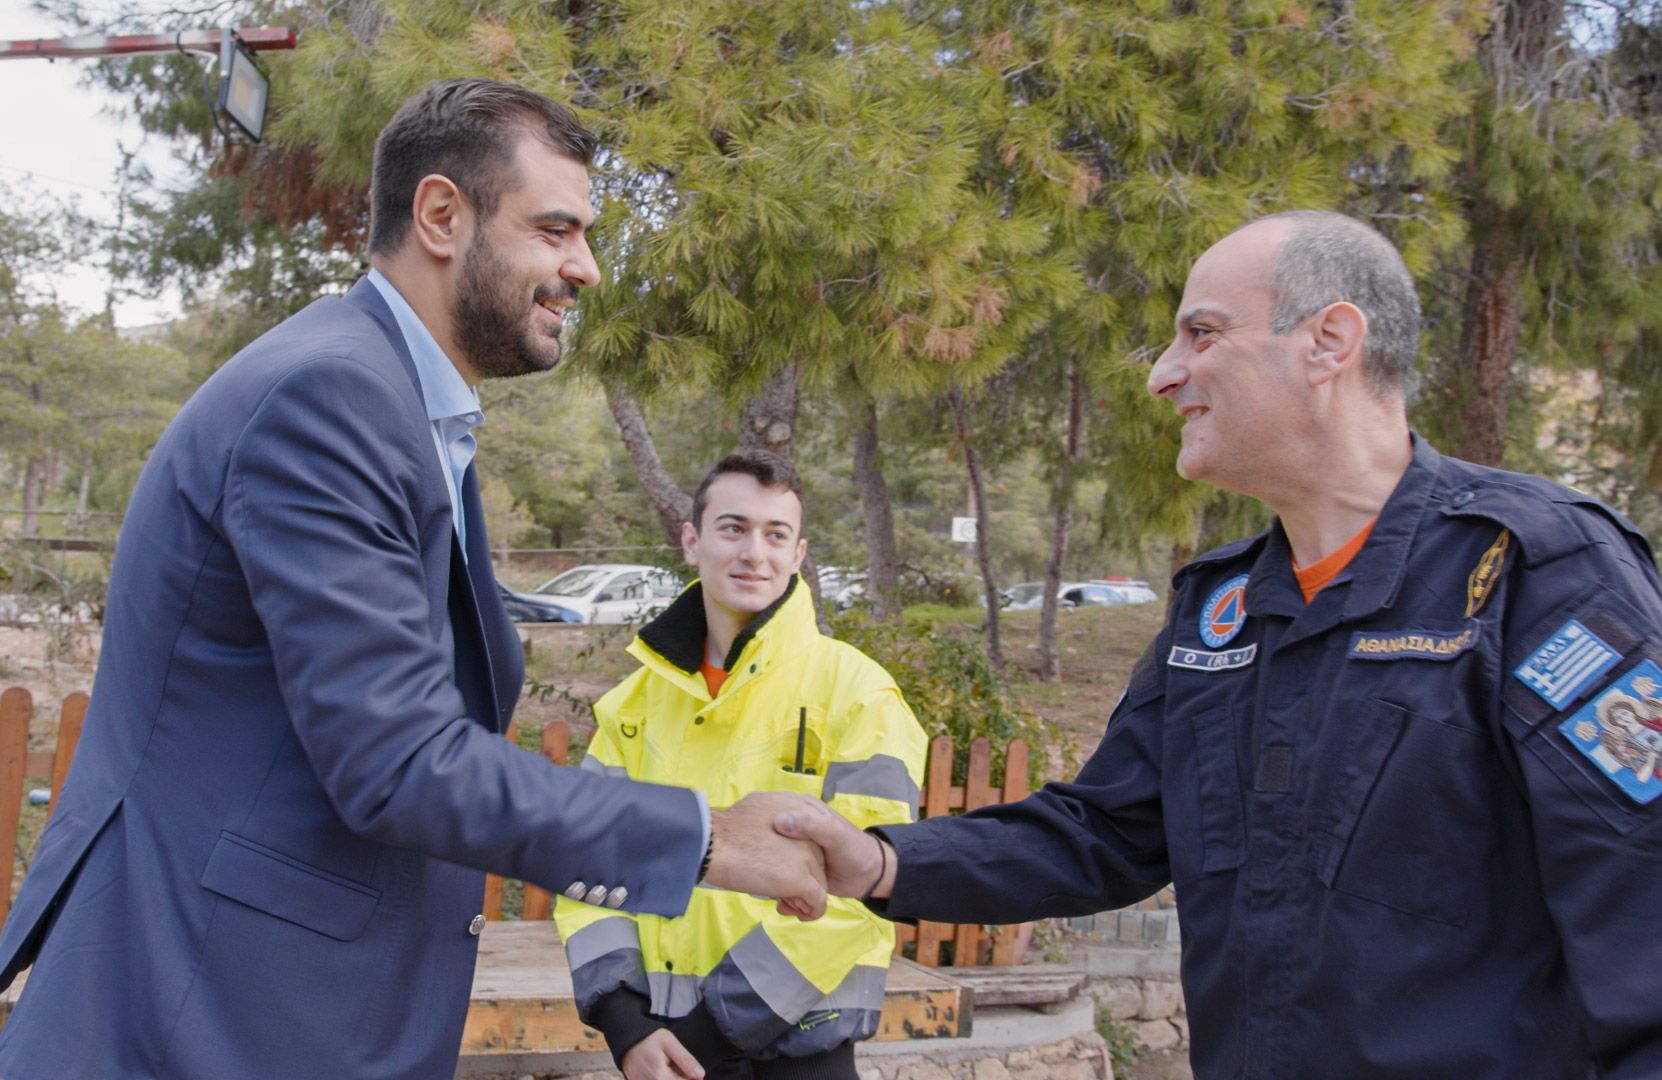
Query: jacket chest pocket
x,y
799,745
1408,801
1202,793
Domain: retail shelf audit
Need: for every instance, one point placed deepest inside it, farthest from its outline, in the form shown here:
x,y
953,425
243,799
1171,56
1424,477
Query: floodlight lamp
x,y
243,87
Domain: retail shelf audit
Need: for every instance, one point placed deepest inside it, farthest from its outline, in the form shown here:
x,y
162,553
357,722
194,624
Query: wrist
x,y
882,867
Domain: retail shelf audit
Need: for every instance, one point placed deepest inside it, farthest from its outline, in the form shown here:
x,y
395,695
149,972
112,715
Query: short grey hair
x,y
1328,257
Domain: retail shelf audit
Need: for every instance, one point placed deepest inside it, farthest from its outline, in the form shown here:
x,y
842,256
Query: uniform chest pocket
x,y
1404,819
1204,815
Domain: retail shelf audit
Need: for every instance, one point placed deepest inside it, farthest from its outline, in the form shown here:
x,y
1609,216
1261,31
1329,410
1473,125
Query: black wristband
x,y
709,850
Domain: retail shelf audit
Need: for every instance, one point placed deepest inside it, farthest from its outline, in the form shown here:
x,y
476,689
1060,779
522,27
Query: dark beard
x,y
491,325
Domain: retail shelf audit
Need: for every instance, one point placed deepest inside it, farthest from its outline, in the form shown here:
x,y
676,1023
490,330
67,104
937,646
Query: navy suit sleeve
x,y
318,508
1068,849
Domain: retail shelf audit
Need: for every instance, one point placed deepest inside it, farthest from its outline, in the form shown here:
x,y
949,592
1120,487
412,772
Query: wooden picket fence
x,y
941,796
18,763
971,943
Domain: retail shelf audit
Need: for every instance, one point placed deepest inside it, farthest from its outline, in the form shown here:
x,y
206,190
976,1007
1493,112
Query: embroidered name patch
x,y
1411,644
1225,613
1205,660
1570,659
1620,731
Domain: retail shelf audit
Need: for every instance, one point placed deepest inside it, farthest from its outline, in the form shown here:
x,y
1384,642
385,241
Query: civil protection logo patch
x,y
1225,613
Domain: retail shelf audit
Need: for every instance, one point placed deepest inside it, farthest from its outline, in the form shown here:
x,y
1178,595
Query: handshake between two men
x,y
798,850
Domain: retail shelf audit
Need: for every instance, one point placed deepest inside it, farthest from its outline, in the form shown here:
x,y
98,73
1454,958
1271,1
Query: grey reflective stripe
x,y
594,766
599,938
673,995
850,1012
862,989
882,776
756,993
597,978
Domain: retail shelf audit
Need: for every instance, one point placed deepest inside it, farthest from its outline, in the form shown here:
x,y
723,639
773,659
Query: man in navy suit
x,y
268,859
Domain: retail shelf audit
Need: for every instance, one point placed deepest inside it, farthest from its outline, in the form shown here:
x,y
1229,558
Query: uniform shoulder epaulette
x,y
1548,519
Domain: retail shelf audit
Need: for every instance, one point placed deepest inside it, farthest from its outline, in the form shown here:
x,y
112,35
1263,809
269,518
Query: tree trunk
x,y
882,573
1050,666
1519,55
1490,330
983,550
34,487
769,421
673,505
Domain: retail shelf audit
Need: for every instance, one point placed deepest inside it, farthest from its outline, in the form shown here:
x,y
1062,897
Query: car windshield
x,y
578,582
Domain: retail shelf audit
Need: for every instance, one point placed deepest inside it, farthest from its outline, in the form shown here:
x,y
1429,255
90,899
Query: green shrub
x,y
949,684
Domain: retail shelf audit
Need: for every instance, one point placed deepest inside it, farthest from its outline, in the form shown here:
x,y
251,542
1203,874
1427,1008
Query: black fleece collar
x,y
678,634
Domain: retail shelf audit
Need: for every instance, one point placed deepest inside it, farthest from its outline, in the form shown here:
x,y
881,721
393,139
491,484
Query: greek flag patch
x,y
1566,663
1205,660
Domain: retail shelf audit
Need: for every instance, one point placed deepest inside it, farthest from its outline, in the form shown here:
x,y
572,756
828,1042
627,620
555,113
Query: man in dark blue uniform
x,y
1401,753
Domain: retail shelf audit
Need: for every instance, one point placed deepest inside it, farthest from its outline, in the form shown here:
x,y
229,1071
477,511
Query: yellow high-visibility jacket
x,y
772,984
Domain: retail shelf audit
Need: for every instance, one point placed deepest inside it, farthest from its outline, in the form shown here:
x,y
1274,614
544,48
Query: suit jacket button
x,y
576,890
616,897
596,895
475,925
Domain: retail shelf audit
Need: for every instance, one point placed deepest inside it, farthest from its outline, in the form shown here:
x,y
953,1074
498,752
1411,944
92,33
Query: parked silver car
x,y
613,592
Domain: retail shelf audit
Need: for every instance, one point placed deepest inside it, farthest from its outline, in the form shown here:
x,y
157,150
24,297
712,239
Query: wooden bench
x,y
522,999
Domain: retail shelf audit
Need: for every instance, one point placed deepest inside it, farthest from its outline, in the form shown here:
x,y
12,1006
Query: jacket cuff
x,y
697,1031
622,1017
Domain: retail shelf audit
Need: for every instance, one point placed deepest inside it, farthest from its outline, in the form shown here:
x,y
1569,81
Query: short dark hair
x,y
769,469
466,130
1328,257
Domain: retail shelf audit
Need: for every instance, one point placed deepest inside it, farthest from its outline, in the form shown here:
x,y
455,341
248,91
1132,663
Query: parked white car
x,y
1029,596
1133,591
613,592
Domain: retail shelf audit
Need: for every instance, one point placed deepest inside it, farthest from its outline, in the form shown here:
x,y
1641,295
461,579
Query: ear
x,y
801,553
442,217
689,543
1337,334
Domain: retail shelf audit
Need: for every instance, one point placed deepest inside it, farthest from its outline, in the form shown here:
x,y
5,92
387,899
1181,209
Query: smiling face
x,y
524,266
1235,382
748,545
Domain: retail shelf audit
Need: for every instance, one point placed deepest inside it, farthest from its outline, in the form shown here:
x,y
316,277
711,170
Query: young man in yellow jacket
x,y
738,691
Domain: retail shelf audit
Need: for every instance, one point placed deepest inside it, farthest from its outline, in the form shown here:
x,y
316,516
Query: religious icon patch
x,y
1569,660
1620,731
1225,613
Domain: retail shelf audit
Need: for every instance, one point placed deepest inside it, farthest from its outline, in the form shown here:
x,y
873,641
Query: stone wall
x,y
1131,957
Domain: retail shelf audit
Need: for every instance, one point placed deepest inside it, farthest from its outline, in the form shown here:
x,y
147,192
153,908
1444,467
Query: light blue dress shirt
x,y
452,405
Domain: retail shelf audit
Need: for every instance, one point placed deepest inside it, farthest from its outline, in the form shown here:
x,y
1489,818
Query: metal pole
x,y
255,39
